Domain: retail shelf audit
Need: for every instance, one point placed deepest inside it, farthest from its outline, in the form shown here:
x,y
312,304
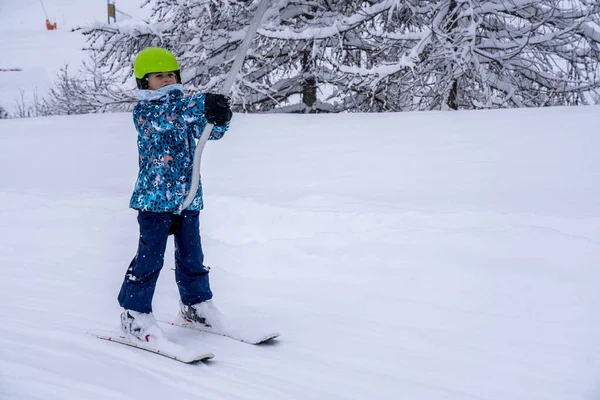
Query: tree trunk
x,y
309,86
453,95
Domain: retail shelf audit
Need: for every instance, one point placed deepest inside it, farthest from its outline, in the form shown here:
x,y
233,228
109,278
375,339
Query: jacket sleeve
x,y
151,118
193,113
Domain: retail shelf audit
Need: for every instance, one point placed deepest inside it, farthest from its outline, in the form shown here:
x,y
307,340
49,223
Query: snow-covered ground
x,y
418,256
415,256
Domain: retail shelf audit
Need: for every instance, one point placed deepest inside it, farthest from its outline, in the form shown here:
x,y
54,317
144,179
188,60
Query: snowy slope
x,y
30,15
416,256
39,54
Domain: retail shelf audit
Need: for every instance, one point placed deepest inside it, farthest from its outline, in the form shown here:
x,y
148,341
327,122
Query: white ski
x,y
245,335
163,347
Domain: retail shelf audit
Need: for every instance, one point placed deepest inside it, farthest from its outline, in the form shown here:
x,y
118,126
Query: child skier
x,y
167,123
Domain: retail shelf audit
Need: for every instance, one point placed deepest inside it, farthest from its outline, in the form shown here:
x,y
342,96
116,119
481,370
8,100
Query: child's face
x,y
156,80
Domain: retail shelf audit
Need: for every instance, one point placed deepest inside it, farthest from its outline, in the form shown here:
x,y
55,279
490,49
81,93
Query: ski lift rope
x,y
227,85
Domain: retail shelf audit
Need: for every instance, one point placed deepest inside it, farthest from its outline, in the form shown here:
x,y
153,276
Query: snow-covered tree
x,y
3,113
496,53
290,67
307,40
372,53
325,34
202,34
377,55
90,90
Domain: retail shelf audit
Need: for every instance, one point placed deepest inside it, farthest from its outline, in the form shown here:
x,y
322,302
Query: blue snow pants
x,y
191,275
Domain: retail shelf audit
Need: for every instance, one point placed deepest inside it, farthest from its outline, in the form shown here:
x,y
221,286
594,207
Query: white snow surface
x,y
418,256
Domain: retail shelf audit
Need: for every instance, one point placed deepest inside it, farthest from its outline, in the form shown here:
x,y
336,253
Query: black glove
x,y
217,109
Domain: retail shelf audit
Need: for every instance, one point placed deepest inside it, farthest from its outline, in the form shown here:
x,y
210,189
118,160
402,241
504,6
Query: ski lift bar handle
x,y
243,50
225,89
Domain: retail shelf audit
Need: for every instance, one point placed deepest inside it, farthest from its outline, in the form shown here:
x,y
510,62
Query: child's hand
x,y
217,109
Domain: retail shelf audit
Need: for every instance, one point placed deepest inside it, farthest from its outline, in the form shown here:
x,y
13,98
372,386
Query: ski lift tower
x,y
112,11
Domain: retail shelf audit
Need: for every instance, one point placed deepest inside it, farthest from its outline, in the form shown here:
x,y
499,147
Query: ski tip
x,y
267,338
201,358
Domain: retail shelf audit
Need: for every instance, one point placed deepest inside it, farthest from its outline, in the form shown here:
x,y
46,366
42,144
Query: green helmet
x,y
154,59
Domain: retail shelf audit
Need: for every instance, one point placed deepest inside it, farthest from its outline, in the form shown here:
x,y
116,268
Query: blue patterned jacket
x,y
167,123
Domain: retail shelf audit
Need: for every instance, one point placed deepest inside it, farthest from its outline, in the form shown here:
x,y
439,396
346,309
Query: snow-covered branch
x,y
376,55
